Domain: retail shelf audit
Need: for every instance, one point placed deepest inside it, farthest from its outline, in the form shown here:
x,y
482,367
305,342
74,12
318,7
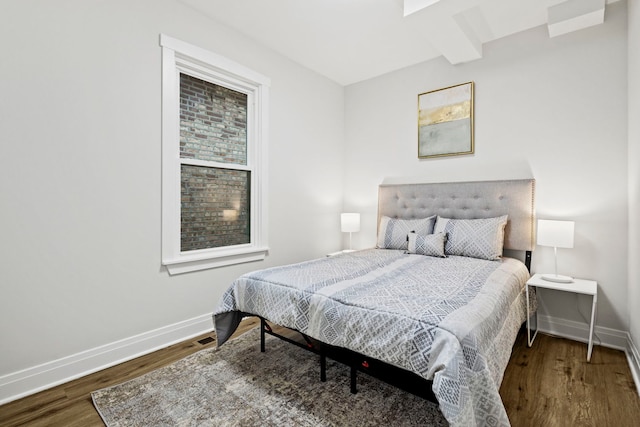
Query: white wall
x,y
80,161
634,174
554,109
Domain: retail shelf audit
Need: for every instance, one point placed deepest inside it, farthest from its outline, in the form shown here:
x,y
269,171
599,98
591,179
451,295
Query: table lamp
x,y
350,223
558,234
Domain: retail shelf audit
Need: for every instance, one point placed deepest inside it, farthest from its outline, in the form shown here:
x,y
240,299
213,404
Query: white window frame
x,y
180,57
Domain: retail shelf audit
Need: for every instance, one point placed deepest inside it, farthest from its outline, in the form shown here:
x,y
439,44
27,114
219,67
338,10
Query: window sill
x,y
196,262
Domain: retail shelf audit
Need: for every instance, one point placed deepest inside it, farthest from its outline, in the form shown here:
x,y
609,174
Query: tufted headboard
x,y
467,200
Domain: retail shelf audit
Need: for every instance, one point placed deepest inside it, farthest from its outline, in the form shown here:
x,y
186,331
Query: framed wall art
x,y
445,121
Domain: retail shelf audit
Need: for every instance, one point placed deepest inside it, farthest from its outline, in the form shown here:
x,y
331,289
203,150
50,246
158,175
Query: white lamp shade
x,y
350,222
558,234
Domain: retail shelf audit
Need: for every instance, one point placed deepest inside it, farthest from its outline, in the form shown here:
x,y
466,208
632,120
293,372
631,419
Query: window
x,y
213,160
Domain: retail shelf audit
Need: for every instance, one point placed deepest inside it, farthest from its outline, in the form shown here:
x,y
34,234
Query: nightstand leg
x,y
593,319
529,337
528,321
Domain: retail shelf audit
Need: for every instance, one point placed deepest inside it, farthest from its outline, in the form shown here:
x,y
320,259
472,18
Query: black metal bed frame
x,y
398,377
390,374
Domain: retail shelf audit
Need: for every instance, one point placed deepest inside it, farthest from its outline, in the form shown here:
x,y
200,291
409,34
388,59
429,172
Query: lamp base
x,y
558,278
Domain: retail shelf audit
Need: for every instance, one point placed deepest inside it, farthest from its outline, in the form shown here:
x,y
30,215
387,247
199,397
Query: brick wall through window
x,y
214,201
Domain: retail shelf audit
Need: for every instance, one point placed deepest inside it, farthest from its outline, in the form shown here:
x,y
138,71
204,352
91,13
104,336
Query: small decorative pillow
x,y
393,232
475,238
430,244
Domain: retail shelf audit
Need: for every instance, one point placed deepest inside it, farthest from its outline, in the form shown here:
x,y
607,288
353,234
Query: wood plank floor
x,y
550,384
70,405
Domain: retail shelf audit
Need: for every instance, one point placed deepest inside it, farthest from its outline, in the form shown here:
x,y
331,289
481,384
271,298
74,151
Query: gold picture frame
x,y
445,121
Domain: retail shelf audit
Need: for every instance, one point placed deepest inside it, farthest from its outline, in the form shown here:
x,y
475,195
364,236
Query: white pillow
x,y
393,232
430,244
475,238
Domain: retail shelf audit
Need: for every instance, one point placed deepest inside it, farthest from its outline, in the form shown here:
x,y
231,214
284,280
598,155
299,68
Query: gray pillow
x,y
430,244
393,232
475,238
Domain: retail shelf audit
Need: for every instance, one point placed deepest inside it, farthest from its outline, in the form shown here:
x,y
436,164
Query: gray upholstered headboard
x,y
465,200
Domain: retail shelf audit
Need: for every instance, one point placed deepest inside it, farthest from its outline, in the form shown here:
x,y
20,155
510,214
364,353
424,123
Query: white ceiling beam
x,y
453,37
412,6
574,15
444,25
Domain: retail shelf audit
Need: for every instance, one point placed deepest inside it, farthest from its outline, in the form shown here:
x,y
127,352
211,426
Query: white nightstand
x,y
578,286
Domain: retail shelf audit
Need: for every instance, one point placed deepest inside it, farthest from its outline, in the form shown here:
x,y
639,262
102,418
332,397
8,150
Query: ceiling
x,y
353,40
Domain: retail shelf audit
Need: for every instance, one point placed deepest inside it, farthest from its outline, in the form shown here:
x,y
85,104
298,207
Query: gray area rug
x,y
238,385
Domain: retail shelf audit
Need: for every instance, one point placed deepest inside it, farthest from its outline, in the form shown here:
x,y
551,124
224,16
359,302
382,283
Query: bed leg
x,y
262,327
323,367
354,373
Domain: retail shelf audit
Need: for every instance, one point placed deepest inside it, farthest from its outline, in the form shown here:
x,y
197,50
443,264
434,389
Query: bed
x,y
437,297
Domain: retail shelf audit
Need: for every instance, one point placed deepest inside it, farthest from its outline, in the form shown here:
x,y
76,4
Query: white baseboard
x,y
606,337
32,380
633,356
579,331
28,381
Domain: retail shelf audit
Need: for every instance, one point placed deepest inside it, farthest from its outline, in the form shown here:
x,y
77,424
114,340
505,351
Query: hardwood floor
x,y
550,384
70,405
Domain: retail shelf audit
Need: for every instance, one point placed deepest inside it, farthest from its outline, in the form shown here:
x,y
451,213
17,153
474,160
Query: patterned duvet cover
x,y
450,320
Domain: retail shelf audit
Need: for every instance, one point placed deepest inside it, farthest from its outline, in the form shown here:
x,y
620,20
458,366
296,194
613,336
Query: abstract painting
x,y
445,121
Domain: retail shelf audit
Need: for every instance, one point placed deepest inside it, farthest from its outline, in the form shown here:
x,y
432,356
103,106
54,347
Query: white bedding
x,y
451,320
